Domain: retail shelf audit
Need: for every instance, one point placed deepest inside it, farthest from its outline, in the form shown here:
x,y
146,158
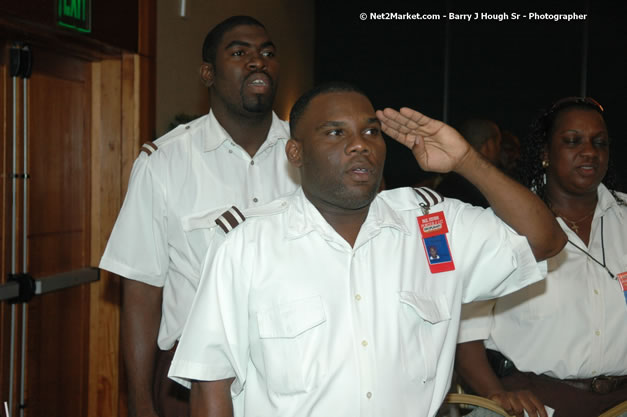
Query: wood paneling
x,y
58,234
106,139
90,107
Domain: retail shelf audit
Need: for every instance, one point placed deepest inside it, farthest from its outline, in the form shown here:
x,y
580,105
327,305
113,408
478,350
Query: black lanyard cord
x,y
602,249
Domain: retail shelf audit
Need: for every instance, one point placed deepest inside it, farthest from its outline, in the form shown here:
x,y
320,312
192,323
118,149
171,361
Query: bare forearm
x,y
517,206
141,316
211,398
471,363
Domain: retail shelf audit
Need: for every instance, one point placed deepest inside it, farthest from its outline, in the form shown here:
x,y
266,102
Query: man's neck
x,y
346,222
248,131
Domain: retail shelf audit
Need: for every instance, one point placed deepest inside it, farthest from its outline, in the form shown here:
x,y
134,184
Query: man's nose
x,y
357,143
256,61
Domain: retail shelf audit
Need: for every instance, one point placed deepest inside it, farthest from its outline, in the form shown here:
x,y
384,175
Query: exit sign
x,y
74,14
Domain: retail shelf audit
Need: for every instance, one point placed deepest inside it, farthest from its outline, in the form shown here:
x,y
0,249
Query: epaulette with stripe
x,y
429,198
230,219
233,217
148,148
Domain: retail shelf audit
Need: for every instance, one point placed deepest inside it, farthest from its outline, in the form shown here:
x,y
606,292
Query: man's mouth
x,y
258,82
361,171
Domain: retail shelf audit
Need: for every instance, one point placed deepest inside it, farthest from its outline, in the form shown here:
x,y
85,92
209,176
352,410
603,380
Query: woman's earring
x,y
545,163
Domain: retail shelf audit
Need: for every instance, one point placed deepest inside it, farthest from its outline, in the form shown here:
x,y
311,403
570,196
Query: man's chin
x,y
258,104
358,201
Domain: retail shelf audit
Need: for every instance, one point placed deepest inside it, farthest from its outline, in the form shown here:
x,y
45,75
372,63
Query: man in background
x,y
179,185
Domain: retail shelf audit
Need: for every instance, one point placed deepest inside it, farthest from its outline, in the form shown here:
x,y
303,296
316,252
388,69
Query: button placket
x,y
362,330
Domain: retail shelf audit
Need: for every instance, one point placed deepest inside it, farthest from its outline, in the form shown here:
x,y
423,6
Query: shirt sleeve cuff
x,y
184,372
125,271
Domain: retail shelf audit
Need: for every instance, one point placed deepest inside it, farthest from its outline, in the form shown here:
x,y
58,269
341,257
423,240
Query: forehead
x,y
252,34
339,106
579,119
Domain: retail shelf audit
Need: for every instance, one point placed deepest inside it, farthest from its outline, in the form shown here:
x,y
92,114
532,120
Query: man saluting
x,y
327,303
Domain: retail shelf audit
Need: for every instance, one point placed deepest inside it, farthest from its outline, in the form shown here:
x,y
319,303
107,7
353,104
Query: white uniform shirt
x,y
312,327
573,324
196,173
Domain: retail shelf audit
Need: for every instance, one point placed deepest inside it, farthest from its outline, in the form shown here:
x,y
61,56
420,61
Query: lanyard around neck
x,y
602,251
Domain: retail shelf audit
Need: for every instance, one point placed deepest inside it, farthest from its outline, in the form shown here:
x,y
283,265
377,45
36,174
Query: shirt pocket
x,y
423,325
290,335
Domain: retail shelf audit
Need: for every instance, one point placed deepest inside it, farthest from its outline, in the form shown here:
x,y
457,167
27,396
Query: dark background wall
x,y
505,70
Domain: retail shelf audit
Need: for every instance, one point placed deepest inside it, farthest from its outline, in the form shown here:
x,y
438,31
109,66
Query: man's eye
x,y
335,132
268,54
237,53
372,131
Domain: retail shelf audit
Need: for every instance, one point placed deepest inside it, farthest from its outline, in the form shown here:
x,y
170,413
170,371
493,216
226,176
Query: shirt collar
x,y
215,135
303,218
606,201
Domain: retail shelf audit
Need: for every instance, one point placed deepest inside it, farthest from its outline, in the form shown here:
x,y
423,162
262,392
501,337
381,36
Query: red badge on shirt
x,y
622,278
433,229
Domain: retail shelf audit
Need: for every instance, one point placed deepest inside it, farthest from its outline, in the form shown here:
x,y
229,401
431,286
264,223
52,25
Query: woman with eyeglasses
x,y
561,342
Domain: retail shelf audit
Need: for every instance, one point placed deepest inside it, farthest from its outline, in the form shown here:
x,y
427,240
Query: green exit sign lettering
x,y
74,14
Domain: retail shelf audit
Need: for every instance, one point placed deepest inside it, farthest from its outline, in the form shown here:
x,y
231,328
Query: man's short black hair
x,y
214,37
298,109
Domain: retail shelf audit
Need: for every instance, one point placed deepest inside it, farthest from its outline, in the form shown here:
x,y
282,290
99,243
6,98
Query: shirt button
x,y
358,297
369,395
598,333
596,292
255,200
252,162
230,151
364,343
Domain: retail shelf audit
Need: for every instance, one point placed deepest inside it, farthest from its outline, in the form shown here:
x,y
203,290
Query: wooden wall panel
x,y
123,118
57,359
118,115
58,234
107,181
116,137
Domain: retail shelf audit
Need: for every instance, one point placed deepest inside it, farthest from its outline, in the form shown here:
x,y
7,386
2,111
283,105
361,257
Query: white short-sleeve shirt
x,y
573,324
196,172
309,325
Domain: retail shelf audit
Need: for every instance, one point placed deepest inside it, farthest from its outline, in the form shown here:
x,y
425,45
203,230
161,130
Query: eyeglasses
x,y
564,102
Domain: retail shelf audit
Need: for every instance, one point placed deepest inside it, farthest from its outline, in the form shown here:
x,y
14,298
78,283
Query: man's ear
x,y
294,152
207,74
